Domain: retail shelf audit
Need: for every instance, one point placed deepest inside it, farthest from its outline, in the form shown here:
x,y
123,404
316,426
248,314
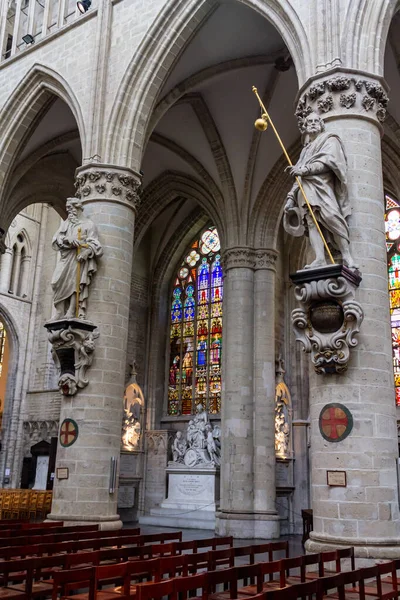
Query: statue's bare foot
x,y
349,262
315,264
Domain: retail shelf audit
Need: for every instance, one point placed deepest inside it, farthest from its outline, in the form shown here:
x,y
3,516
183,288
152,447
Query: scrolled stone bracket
x,y
96,182
343,92
329,317
73,345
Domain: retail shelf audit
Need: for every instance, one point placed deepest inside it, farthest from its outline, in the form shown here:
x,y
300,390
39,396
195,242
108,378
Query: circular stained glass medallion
x,y
392,225
184,272
192,258
210,241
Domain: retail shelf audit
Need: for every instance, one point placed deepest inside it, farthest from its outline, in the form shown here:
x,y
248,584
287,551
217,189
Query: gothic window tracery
x,y
196,329
392,228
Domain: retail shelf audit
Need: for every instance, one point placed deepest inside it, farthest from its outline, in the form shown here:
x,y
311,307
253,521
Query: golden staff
x,y
78,271
78,274
262,124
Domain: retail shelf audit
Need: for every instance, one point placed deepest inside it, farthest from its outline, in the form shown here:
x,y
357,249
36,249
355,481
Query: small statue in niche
x,y
322,167
179,446
133,416
77,241
283,414
212,448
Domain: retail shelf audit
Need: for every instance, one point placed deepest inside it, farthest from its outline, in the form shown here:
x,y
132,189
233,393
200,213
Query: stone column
x,y
5,272
236,516
264,395
15,271
365,514
109,198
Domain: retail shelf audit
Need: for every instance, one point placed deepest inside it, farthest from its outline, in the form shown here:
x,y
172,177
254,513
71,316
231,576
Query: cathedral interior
x,y
191,357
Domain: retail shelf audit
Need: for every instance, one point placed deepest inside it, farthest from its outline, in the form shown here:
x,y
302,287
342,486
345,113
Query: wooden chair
x,y
286,565
309,560
221,558
186,587
156,591
48,498
244,552
80,560
307,516
168,549
40,504
42,578
7,571
171,566
65,582
270,569
6,505
33,504
310,590
23,508
197,562
281,547
225,577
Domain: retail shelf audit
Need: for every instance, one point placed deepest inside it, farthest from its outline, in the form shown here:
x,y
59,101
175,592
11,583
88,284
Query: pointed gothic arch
x,y
20,115
150,66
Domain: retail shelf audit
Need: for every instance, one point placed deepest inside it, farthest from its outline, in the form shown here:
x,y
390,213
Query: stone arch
x,y
21,112
165,188
151,64
365,34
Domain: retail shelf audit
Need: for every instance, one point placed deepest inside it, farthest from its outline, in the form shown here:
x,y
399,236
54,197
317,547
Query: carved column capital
x,y
343,92
238,257
265,258
96,182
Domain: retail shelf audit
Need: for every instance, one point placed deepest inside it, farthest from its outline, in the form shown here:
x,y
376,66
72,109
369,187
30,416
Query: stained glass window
x,y
392,227
196,329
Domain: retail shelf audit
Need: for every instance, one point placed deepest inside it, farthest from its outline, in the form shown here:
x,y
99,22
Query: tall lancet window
x,y
196,329
392,226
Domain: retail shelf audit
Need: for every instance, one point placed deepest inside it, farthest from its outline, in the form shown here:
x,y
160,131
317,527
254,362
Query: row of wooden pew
x,y
117,574
82,563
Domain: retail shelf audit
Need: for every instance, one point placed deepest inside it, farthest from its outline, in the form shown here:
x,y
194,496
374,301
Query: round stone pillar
x,y
364,513
264,395
109,198
5,272
237,483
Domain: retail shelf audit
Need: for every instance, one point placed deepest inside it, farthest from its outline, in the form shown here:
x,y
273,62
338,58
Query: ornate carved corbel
x,y
329,317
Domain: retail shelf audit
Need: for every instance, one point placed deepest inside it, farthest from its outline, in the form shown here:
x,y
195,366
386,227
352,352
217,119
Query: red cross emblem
x,y
68,433
335,422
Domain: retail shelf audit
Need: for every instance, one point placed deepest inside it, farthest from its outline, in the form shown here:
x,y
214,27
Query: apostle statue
x,y
77,241
322,167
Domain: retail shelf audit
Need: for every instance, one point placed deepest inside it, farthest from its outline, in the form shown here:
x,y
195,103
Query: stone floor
x,y
295,545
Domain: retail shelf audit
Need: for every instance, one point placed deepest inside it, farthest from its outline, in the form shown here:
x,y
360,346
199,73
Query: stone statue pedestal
x,y
72,342
329,317
193,494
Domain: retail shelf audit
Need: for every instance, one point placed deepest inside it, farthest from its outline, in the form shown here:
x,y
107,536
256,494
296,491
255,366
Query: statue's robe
x,y
64,281
327,191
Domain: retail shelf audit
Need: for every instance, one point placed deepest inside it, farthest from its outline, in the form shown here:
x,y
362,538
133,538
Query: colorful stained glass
x,y
392,227
192,258
210,241
196,329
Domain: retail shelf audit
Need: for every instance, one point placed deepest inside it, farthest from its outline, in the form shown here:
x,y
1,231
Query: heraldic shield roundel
x,y
68,433
335,422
